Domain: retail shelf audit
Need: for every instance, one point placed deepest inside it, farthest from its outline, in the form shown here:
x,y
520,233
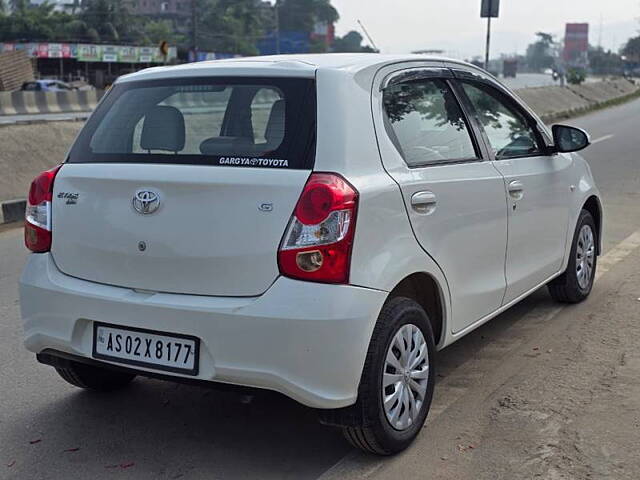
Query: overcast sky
x,y
400,26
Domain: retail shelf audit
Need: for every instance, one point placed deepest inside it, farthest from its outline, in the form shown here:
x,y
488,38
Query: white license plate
x,y
146,348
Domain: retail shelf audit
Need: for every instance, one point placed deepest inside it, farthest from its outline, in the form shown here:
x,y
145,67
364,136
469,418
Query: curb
x,y
549,118
12,211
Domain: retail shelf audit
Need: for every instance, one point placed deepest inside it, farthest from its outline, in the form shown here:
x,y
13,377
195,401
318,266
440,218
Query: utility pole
x,y
194,29
277,11
489,9
488,46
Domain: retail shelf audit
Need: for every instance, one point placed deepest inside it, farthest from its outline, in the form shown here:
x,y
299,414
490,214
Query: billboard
x,y
87,52
576,44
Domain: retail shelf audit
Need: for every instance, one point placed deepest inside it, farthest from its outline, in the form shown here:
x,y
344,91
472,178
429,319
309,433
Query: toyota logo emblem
x,y
146,201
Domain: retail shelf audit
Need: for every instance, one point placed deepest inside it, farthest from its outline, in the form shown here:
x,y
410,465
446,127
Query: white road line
x,y
602,139
364,466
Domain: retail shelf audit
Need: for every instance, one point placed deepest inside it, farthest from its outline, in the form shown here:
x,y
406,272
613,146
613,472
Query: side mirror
x,y
570,139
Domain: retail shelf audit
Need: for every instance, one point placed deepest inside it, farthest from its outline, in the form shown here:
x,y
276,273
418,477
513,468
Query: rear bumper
x,y
307,341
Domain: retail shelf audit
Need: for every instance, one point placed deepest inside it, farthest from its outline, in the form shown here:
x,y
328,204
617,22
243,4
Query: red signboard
x,y
576,42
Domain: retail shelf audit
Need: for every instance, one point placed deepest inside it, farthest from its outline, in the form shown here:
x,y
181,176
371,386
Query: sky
x,y
455,26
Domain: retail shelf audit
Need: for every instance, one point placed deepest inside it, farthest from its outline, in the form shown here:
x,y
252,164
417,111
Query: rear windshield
x,y
240,122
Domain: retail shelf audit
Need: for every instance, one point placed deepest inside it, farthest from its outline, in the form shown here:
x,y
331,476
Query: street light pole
x,y
194,28
277,27
488,47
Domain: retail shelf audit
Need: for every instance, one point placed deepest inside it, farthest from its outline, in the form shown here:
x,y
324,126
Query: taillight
x,y
317,243
37,224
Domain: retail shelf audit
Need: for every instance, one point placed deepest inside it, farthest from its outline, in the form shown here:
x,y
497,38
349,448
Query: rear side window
x,y
426,123
245,122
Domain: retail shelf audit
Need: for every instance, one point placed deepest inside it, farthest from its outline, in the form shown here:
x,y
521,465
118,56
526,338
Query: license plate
x,y
146,348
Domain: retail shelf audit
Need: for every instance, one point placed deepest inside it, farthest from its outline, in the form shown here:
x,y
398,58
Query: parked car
x,y
47,86
315,225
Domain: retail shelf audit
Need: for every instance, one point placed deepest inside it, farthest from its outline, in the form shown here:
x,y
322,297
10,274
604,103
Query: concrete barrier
x,y
554,103
28,149
24,103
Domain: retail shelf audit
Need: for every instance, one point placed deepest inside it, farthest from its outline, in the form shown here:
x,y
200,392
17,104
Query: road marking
x,y
448,392
602,139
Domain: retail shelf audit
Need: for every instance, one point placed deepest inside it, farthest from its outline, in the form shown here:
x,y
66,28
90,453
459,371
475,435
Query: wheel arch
x,y
594,207
427,292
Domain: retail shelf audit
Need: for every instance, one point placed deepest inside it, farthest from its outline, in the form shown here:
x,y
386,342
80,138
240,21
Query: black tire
x,y
566,288
370,430
94,378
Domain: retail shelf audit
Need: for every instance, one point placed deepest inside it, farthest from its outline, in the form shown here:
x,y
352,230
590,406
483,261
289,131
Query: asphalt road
x,y
49,430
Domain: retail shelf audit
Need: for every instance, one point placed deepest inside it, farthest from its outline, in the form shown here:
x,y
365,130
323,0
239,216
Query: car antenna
x,y
373,44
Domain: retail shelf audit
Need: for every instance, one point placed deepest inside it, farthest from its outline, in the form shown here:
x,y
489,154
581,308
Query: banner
x,y
128,54
89,53
146,54
110,53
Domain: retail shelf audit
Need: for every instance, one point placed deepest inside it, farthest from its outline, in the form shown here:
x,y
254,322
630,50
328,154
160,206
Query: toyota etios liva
x,y
314,225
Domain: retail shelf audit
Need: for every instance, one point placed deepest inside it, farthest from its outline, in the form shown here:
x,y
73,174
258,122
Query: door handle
x,y
424,202
516,190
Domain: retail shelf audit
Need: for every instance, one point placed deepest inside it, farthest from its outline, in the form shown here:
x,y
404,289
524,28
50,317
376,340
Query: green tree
x,y
32,22
156,31
603,62
302,15
540,53
351,42
111,21
231,26
632,49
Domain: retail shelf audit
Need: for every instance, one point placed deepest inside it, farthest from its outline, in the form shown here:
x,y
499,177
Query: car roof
x,y
304,66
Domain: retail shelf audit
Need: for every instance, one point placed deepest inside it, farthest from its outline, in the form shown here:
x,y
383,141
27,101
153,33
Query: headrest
x,y
163,129
274,133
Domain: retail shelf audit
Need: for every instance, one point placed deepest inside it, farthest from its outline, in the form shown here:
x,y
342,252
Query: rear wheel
x,y
575,284
94,378
397,381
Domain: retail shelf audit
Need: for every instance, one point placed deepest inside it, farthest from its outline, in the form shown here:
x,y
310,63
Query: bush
x,y
576,76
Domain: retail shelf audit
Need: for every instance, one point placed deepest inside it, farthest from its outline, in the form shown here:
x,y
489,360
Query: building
x,y
67,6
169,9
576,45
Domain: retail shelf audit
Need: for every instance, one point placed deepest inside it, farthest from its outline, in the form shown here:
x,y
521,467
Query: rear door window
x,y
247,122
426,123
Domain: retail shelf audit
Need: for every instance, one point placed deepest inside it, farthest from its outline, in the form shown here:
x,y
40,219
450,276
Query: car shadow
x,y
156,429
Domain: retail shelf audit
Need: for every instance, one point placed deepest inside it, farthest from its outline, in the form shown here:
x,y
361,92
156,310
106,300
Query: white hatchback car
x,y
315,225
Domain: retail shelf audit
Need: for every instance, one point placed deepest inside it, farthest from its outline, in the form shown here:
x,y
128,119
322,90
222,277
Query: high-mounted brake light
x,y
317,243
37,224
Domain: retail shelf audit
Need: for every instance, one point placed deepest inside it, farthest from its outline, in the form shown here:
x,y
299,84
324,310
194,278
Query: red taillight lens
x,y
37,224
317,243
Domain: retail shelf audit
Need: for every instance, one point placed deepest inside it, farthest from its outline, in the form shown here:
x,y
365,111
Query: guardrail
x,y
24,103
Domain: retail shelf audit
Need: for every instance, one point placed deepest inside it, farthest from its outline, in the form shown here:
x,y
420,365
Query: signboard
x,y
490,9
129,54
86,52
89,53
43,50
110,53
576,43
54,50
146,54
